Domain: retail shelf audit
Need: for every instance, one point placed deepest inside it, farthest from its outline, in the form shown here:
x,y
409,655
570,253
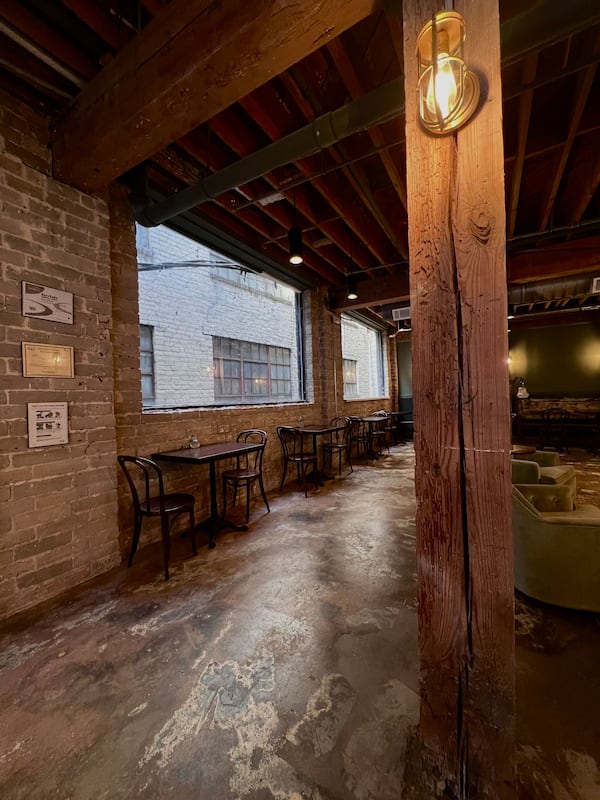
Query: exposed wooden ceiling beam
x,y
566,258
248,214
101,21
193,60
525,101
544,23
349,74
46,38
376,292
335,189
584,88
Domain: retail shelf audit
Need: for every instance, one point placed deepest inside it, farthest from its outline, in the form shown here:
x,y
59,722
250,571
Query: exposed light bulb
x,y
442,89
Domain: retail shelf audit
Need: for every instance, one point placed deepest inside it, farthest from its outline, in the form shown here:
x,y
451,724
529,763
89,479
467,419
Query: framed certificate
x,y
47,361
47,423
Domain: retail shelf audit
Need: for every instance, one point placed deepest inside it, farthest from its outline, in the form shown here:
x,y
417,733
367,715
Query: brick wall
x,y
59,522
66,510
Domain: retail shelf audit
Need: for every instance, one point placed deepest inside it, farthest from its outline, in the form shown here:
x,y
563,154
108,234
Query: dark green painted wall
x,y
559,360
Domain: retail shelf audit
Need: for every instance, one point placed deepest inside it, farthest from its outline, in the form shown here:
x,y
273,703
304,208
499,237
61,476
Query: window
x,y
248,372
350,384
363,352
147,363
219,332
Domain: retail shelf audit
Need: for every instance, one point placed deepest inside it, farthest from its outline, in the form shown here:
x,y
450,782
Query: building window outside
x,y
350,382
248,372
363,345
147,363
191,297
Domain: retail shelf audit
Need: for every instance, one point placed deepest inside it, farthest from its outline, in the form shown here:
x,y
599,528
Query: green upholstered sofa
x,y
543,467
556,549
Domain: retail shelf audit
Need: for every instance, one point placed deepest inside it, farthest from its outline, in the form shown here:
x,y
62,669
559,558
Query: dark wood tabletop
x,y
207,452
315,429
210,454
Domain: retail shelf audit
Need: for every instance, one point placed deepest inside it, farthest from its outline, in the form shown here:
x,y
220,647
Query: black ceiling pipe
x,y
380,105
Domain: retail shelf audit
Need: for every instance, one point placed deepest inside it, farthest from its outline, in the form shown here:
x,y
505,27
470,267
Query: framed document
x,y
47,360
47,423
44,302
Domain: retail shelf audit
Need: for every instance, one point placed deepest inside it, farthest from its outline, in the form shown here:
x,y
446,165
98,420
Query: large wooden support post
x,y
462,429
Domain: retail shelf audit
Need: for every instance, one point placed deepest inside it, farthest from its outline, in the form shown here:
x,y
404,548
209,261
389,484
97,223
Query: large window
x,y
217,332
350,381
363,360
248,372
147,363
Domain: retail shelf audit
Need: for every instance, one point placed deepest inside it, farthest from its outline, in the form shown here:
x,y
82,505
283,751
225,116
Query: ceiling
x,y
186,115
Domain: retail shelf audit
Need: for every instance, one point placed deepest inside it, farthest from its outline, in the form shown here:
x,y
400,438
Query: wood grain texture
x,y
462,437
192,61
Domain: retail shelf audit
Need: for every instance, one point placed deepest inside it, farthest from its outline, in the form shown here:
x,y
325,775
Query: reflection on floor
x,y
558,683
283,664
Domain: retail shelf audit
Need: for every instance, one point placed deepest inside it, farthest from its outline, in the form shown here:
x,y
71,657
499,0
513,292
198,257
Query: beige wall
x,y
66,511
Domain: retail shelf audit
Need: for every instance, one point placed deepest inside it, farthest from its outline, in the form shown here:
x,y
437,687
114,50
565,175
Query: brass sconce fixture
x,y
448,93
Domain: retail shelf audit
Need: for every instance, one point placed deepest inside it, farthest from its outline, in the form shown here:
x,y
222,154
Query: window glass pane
x,y
363,360
214,324
147,363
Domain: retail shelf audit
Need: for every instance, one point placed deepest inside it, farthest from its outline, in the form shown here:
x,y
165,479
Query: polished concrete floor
x,y
282,664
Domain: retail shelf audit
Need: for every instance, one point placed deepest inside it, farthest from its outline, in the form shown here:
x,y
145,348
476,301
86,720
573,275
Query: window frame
x,y
374,367
148,352
251,367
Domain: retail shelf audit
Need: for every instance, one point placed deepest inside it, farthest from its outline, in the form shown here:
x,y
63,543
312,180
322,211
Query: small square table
x,y
210,454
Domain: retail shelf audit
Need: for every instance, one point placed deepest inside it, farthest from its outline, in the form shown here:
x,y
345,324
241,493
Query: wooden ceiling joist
x,y
188,64
375,292
566,258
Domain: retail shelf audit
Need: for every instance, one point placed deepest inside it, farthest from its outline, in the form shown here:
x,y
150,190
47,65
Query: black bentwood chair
x,y
150,500
248,470
293,444
360,438
339,443
384,433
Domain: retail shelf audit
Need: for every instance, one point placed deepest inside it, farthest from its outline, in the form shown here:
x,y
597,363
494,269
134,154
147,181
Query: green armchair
x,y
545,468
556,549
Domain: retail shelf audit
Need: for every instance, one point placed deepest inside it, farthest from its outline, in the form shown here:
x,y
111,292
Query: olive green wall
x,y
560,359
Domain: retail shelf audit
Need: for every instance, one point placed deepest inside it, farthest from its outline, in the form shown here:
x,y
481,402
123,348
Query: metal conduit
x,y
550,290
41,54
380,105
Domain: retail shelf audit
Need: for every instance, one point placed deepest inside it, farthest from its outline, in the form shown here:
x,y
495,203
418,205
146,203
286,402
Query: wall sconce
x,y
295,240
448,92
351,290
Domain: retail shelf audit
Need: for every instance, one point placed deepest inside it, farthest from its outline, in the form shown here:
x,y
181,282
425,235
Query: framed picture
x,y
47,360
47,423
44,302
